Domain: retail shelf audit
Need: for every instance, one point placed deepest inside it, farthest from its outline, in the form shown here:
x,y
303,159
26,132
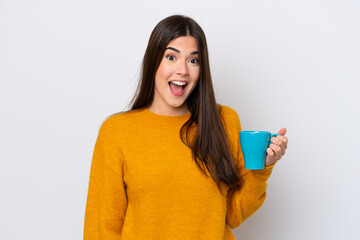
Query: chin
x,y
177,104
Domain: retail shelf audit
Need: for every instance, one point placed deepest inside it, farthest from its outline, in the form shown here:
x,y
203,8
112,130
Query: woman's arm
x,y
106,201
242,203
248,199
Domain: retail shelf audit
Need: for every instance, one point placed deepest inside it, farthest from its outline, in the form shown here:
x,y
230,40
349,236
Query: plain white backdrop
x,y
66,65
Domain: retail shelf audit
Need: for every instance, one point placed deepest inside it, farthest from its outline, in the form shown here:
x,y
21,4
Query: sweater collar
x,y
180,119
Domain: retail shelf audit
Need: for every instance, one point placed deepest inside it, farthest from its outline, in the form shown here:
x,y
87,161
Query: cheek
x,y
195,75
163,71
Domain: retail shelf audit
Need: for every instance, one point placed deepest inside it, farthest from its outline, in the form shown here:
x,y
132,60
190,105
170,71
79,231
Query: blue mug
x,y
253,146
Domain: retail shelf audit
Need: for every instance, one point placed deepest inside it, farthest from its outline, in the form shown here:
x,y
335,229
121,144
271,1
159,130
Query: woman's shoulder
x,y
227,112
120,120
229,116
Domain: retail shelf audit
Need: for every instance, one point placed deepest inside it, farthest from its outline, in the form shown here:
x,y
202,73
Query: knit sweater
x,y
144,183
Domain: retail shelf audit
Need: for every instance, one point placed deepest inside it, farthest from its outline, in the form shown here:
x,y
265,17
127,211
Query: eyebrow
x,y
176,50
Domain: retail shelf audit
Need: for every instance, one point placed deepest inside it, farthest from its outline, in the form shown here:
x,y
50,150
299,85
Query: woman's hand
x,y
277,148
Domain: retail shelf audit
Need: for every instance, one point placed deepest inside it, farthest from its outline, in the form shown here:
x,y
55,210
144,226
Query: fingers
x,y
282,132
276,149
280,141
270,158
283,139
274,154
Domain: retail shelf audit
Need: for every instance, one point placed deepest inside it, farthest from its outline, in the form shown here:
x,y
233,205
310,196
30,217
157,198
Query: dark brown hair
x,y
209,145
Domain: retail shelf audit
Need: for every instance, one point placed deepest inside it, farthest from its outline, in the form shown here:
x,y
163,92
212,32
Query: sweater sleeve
x,y
243,202
106,201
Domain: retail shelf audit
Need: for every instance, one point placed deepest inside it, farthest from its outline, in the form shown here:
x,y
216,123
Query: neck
x,y
169,111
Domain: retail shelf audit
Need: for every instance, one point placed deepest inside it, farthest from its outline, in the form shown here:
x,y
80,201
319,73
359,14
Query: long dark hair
x,y
209,145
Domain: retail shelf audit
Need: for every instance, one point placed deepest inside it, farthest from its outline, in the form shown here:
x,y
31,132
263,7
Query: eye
x,y
194,61
170,57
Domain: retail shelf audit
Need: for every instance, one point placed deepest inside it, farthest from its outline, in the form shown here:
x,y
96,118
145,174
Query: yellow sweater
x,y
144,183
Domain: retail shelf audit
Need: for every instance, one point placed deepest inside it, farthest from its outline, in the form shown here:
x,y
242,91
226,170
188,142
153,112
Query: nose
x,y
182,68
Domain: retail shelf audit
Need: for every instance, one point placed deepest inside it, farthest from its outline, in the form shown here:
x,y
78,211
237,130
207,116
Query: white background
x,y
66,65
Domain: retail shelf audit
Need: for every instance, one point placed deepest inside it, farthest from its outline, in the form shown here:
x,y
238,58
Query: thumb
x,y
282,131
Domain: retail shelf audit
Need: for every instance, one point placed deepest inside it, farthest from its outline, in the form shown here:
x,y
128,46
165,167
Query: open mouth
x,y
177,88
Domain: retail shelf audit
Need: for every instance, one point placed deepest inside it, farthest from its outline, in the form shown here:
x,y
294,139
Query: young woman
x,y
172,167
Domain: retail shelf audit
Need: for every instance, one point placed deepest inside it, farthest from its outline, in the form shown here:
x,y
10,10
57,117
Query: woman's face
x,y
176,77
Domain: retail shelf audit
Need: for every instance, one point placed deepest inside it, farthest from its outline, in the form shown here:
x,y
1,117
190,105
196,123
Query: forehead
x,y
184,44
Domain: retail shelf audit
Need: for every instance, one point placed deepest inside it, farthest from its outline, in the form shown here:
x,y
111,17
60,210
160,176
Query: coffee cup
x,y
253,146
